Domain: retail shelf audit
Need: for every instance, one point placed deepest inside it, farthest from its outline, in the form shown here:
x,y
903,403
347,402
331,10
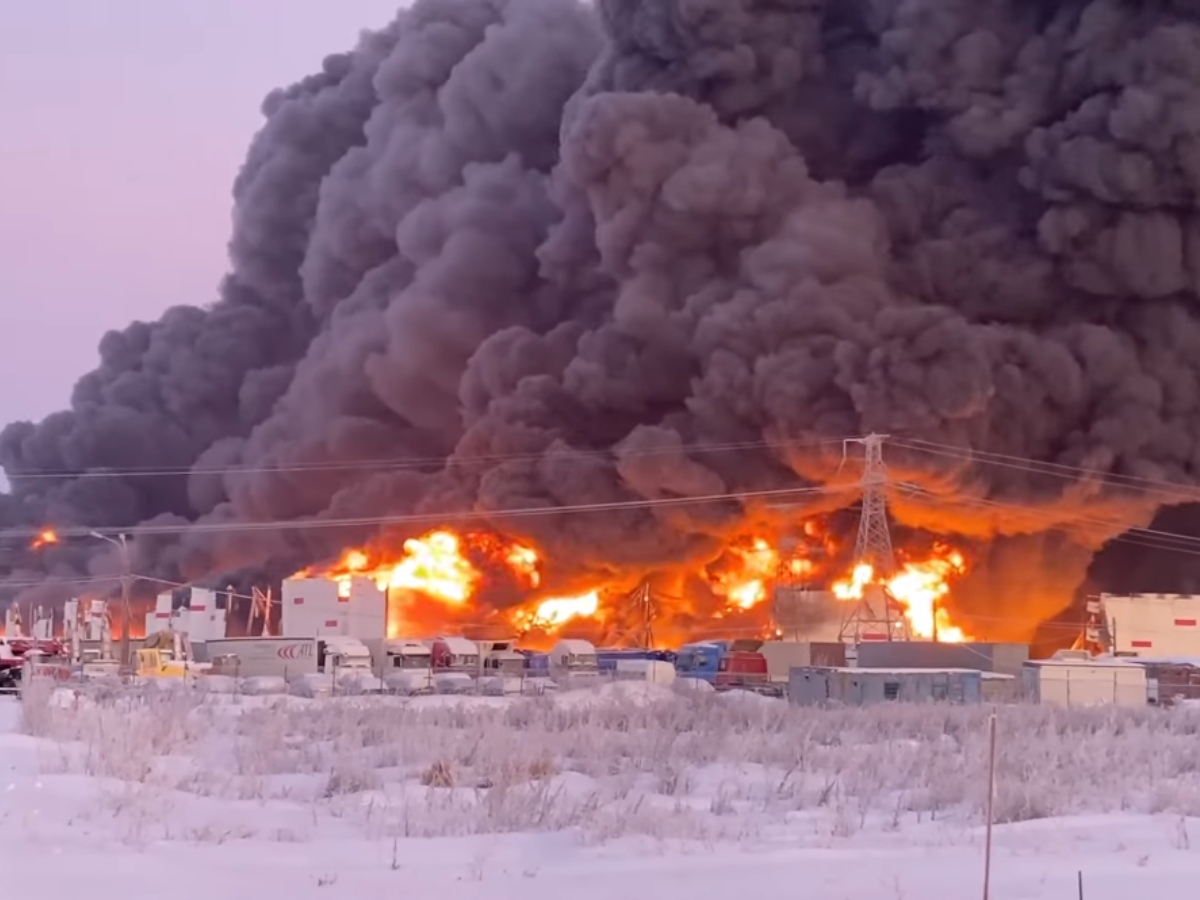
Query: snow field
x,y
621,761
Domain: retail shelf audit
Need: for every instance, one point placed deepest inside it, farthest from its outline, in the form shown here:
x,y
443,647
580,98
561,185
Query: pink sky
x,y
122,125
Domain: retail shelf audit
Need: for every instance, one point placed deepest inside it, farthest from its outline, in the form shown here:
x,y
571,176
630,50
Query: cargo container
x,y
809,686
1006,659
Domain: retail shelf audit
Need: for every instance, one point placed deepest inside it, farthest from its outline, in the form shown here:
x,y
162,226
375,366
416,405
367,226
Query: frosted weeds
x,y
612,764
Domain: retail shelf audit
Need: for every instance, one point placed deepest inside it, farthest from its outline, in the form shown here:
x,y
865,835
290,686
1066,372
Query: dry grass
x,y
670,766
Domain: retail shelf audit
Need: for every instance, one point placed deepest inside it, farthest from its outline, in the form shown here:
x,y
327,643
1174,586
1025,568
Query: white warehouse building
x,y
321,607
1159,625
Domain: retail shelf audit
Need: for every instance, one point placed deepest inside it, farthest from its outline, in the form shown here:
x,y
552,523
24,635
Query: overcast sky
x,y
122,125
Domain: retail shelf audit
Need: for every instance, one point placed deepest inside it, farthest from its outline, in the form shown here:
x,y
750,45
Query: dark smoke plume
x,y
551,248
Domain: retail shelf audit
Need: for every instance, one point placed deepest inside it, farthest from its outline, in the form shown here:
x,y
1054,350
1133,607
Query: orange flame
x,y
557,611
45,538
436,566
747,587
920,588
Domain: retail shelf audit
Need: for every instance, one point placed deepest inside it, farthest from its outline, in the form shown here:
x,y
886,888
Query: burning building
x,y
612,282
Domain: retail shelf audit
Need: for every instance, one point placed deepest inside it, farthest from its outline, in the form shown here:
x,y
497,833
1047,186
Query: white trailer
x,y
655,671
287,658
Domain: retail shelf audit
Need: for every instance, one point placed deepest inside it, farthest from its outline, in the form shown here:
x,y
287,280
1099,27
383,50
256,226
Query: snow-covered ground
x,y
616,791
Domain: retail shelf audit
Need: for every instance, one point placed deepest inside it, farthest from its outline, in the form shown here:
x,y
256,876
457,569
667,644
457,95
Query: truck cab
x,y
336,654
700,660
408,666
722,666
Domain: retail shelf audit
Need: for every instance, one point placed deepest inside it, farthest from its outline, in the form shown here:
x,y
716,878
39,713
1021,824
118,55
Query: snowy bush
x,y
620,761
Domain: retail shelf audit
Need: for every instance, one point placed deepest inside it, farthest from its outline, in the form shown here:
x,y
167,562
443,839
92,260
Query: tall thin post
x,y
991,796
126,584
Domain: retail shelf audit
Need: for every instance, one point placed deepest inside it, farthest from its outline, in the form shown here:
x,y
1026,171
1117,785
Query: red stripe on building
x,y
331,623
1141,644
342,599
1186,623
196,608
299,601
162,615
873,637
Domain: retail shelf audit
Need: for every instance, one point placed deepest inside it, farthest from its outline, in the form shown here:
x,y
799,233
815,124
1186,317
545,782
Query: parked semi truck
x,y
287,658
723,667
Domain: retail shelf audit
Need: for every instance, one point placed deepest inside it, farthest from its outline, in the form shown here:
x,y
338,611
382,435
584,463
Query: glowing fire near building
x,y
446,580
45,538
920,588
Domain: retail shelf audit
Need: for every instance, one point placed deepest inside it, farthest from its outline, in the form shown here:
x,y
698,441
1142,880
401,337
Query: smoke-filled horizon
x,y
534,238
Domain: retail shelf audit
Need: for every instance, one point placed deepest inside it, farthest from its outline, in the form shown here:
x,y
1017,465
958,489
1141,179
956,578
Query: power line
x,y
1054,520
402,463
419,518
1058,470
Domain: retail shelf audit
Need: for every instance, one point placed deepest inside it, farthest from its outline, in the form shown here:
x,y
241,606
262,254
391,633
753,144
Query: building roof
x,y
1096,662
874,671
576,646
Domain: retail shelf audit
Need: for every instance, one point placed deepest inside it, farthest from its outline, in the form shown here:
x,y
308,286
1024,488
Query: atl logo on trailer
x,y
296,651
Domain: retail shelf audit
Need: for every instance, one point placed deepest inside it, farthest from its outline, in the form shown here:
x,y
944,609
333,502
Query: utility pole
x,y
873,616
647,599
121,543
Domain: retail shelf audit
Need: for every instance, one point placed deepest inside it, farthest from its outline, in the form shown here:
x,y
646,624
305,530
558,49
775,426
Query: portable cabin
x,y
812,686
1082,681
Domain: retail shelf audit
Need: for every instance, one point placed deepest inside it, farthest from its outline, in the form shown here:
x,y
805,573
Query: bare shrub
x,y
438,775
692,766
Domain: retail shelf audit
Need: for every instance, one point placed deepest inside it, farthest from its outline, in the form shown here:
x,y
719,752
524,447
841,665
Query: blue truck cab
x,y
701,660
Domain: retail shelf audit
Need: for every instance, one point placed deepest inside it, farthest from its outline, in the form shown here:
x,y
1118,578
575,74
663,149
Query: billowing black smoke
x,y
531,253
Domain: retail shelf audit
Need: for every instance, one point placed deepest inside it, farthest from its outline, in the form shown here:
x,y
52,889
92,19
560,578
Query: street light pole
x,y
126,584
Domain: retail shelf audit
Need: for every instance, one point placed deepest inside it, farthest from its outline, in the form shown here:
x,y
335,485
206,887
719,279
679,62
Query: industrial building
x,y
809,686
322,607
1162,625
1004,659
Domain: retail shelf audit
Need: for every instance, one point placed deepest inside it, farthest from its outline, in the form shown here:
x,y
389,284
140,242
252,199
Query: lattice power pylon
x,y
876,616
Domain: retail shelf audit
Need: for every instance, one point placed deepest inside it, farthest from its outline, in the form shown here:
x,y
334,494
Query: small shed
x,y
813,686
1086,682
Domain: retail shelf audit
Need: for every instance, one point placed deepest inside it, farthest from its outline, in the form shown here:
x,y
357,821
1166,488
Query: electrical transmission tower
x,y
876,616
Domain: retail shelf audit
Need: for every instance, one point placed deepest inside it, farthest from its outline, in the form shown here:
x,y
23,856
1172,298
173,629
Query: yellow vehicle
x,y
151,663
